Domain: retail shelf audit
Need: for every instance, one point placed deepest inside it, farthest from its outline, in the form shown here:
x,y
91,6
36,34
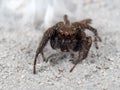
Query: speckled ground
x,y
100,71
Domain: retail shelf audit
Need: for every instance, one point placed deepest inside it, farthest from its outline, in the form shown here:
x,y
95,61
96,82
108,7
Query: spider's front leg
x,y
83,52
41,46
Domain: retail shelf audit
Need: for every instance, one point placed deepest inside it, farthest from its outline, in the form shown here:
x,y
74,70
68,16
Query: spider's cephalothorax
x,y
65,37
68,36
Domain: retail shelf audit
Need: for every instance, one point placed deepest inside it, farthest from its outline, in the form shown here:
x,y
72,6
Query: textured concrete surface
x,y
100,71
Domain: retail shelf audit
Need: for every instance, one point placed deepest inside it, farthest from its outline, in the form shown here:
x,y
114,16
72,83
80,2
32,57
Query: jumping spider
x,y
68,36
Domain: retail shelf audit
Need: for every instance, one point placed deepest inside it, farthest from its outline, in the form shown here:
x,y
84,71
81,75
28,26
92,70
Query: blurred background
x,y
44,13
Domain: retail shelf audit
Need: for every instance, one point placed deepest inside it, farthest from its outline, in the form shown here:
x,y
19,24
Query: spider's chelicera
x,y
68,36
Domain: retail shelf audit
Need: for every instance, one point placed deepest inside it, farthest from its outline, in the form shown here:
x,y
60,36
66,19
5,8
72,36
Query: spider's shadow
x,y
56,58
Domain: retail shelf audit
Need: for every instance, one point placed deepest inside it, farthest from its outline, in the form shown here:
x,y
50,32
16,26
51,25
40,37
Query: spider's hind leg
x,y
83,52
97,37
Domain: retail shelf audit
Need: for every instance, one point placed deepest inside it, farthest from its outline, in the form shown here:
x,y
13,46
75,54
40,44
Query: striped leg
x,y
83,52
96,38
41,46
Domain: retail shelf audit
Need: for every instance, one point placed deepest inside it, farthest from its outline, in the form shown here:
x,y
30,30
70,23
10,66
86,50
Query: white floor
x,y
19,39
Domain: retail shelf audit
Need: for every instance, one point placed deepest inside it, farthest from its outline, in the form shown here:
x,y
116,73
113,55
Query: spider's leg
x,y
86,21
96,35
43,56
40,50
41,46
83,52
